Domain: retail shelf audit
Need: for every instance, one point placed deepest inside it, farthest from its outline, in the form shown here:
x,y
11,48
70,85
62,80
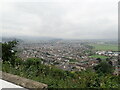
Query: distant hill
x,y
30,39
6,39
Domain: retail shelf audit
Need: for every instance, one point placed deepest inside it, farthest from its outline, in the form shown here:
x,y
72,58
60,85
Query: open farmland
x,y
98,56
105,47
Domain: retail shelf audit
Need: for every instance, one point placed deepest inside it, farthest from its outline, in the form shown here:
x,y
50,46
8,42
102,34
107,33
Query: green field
x,y
105,47
98,56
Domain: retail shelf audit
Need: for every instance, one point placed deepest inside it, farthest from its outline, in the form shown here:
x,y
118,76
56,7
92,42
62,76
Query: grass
x,y
105,47
98,56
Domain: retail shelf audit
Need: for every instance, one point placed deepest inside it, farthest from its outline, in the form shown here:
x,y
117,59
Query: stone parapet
x,y
26,83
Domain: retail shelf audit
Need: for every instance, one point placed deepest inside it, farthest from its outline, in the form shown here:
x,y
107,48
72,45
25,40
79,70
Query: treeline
x,y
57,78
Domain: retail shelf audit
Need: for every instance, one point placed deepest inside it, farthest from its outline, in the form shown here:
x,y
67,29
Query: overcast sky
x,y
70,19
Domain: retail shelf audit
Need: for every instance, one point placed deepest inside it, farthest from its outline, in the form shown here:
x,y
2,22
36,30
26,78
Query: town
x,y
68,55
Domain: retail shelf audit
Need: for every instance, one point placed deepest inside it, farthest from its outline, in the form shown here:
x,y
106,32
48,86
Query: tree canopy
x,y
104,67
8,52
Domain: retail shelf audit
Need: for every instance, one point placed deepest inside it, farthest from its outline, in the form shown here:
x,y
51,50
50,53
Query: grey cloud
x,y
80,20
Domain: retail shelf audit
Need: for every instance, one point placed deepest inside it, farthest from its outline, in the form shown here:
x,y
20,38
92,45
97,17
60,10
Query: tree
x,y
99,59
0,50
119,59
110,62
8,52
104,67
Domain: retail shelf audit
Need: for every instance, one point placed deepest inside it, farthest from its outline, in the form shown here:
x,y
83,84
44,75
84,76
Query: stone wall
x,y
26,83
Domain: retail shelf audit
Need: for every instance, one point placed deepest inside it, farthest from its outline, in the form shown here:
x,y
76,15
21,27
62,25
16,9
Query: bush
x,y
32,61
18,61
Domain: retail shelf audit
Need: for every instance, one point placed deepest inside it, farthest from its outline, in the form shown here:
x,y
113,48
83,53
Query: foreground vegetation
x,y
57,78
